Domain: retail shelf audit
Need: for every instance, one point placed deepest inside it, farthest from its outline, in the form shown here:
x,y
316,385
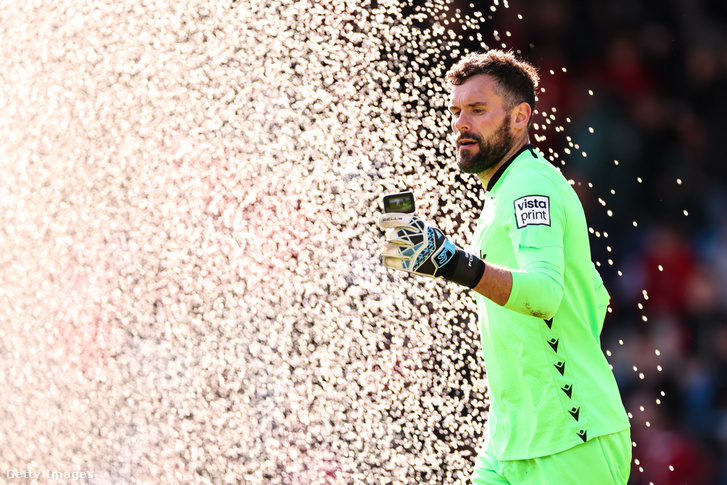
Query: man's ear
x,y
521,116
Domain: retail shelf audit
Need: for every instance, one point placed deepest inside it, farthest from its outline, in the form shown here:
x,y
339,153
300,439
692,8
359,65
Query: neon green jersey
x,y
550,385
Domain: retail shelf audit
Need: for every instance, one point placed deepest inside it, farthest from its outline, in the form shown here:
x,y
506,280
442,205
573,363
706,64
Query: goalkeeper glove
x,y
416,247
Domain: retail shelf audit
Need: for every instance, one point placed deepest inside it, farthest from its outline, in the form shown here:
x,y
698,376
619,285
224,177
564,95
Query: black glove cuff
x,y
467,269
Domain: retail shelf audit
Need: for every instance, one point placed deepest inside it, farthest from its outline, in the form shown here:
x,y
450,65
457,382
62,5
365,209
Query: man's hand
x,y
415,247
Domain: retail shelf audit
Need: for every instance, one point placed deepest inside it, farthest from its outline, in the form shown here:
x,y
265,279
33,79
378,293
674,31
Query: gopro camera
x,y
401,202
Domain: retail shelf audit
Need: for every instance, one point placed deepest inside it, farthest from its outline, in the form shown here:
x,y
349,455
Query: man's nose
x,y
460,123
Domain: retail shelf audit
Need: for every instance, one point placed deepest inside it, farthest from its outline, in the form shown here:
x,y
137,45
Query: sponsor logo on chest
x,y
532,210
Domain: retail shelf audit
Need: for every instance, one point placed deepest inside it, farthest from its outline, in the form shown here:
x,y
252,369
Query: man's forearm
x,y
495,284
536,293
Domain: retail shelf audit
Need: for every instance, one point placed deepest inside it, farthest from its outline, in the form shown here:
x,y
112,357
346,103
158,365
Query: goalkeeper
x,y
556,416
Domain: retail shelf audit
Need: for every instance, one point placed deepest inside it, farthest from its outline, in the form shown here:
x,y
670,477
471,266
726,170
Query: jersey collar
x,y
505,165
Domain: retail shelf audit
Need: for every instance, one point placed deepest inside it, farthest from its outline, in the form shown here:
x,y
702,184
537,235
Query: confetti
x,y
190,257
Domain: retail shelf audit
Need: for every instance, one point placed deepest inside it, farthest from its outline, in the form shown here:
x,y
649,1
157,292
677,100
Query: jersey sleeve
x,y
536,230
602,300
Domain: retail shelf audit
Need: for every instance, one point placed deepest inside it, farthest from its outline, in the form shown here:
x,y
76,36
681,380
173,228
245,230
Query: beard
x,y
490,152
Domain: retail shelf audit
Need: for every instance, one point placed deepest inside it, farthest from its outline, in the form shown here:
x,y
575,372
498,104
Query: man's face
x,y
481,124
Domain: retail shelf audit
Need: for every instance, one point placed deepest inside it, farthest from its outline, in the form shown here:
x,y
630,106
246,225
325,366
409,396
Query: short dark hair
x,y
516,78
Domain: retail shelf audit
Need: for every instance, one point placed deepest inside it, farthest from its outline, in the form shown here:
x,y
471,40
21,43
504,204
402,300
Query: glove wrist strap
x,y
467,269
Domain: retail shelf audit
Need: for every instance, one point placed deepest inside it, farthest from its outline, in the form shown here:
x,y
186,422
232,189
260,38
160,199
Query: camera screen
x,y
401,202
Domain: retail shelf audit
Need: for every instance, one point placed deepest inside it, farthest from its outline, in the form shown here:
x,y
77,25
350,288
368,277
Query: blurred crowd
x,y
640,87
